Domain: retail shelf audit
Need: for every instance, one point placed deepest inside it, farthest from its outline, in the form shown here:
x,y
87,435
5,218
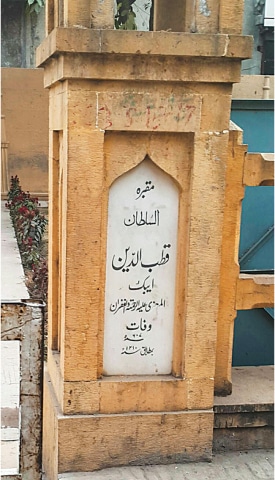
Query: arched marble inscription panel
x,y
140,272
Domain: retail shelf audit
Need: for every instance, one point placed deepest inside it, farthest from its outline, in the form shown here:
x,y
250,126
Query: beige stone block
x,y
81,397
147,68
49,16
141,68
54,72
54,373
148,112
215,115
231,16
205,17
162,44
102,14
83,234
175,21
229,262
254,87
254,291
151,438
202,292
50,429
122,395
258,169
200,393
82,107
77,14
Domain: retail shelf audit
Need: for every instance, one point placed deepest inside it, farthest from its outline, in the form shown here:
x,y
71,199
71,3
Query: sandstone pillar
x,y
134,117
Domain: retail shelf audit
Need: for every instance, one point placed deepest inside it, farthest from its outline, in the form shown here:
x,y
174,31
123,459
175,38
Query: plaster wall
x,y
25,107
251,66
21,33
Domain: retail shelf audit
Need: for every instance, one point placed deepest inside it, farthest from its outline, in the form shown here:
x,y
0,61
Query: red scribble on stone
x,y
148,114
190,110
107,117
130,112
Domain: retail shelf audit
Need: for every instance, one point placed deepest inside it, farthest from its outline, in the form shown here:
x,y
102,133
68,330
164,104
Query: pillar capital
x,y
130,55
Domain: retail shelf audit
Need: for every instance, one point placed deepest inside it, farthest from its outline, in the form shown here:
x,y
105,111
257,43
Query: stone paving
x,y
13,288
250,465
13,285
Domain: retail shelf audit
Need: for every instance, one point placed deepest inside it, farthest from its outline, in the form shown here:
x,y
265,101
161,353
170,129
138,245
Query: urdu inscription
x,y
140,272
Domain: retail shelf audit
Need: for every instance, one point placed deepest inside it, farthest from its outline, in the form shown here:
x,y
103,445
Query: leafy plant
x,y
125,16
28,222
40,280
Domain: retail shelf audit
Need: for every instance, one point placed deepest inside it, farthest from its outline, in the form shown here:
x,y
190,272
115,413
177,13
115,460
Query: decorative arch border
x,y
169,156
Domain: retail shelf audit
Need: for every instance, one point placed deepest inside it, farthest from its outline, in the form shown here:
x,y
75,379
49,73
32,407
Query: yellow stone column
x,y
121,100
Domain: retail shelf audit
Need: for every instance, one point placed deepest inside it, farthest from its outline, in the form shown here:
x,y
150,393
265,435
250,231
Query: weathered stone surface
x,y
117,99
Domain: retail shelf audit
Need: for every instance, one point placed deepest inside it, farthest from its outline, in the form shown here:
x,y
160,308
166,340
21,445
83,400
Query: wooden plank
x,y
259,169
254,291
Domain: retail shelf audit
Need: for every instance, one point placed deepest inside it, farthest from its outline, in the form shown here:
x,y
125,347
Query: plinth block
x,y
92,442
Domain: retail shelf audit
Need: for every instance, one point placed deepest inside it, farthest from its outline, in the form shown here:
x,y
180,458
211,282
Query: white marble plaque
x,y
140,272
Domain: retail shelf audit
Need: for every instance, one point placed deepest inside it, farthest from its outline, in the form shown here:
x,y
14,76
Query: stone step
x,y
244,420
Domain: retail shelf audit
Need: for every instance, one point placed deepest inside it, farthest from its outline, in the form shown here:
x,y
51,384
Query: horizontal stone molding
x,y
259,169
254,291
130,42
74,53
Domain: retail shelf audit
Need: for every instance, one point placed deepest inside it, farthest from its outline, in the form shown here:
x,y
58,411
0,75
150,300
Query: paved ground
x,y
251,465
12,274
13,288
10,378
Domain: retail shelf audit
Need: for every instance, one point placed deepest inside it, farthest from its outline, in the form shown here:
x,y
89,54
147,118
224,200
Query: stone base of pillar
x,y
79,443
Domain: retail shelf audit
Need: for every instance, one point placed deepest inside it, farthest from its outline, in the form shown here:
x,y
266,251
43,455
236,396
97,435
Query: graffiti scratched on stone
x,y
139,112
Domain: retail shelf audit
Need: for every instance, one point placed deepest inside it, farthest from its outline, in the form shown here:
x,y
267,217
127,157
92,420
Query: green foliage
x,y
125,16
34,6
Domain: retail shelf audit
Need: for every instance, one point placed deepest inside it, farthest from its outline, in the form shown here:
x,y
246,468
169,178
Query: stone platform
x,y
244,420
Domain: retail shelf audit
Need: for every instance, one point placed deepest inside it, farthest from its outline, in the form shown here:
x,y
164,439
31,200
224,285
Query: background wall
x,y
25,107
21,33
